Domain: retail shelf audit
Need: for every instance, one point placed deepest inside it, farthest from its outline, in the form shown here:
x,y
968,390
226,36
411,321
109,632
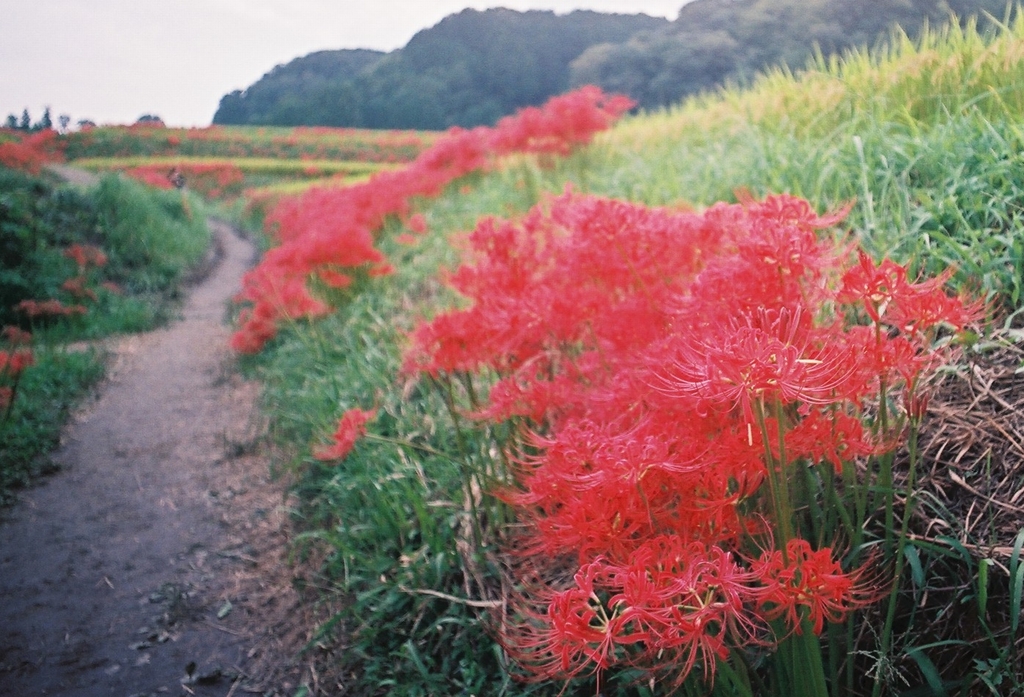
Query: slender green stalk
x,y
776,479
10,403
885,478
901,541
464,468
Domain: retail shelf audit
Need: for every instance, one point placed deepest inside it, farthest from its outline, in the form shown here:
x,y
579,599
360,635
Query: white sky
x,y
113,60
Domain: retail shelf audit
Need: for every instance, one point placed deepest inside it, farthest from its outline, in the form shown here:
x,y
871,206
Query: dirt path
x,y
152,563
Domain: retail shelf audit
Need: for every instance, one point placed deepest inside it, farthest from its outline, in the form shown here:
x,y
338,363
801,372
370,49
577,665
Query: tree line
x,y
474,67
26,124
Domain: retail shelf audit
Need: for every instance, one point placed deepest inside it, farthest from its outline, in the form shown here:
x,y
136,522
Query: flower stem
x,y
901,543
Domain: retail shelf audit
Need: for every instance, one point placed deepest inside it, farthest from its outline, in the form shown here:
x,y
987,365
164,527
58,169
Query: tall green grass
x,y
48,392
152,237
922,137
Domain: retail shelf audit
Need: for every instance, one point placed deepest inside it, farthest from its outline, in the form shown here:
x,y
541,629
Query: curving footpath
x,y
137,569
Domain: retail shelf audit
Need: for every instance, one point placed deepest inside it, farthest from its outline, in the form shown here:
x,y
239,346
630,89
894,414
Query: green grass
x,y
293,188
48,392
152,237
258,165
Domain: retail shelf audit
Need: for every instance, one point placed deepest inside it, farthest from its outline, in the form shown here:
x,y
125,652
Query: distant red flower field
x,y
331,232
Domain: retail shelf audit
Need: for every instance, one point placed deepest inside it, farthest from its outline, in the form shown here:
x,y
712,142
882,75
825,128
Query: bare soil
x,y
155,561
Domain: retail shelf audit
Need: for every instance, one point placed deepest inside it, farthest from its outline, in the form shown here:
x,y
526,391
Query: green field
x,y
255,165
239,141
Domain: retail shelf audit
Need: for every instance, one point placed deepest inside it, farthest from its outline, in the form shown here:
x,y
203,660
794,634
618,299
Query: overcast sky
x,y
113,60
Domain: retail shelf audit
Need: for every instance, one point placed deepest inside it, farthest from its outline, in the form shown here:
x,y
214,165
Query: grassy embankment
x,y
924,139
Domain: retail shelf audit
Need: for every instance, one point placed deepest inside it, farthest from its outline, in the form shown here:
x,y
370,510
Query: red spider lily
x,y
569,633
561,297
695,605
562,123
671,605
829,436
31,152
16,336
887,296
256,330
76,286
806,583
53,308
873,287
212,179
884,360
155,177
417,223
335,279
762,359
648,349
351,427
601,488
86,255
13,363
580,628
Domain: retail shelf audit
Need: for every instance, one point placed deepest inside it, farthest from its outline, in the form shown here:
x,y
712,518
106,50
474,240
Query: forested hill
x,y
476,66
312,90
471,68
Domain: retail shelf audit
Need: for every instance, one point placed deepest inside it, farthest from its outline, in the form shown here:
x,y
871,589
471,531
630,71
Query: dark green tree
x,y
45,122
314,90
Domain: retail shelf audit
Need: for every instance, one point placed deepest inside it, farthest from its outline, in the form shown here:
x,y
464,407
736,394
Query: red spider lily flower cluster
x,y
49,308
675,369
15,357
351,427
86,255
211,179
329,233
78,286
32,152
